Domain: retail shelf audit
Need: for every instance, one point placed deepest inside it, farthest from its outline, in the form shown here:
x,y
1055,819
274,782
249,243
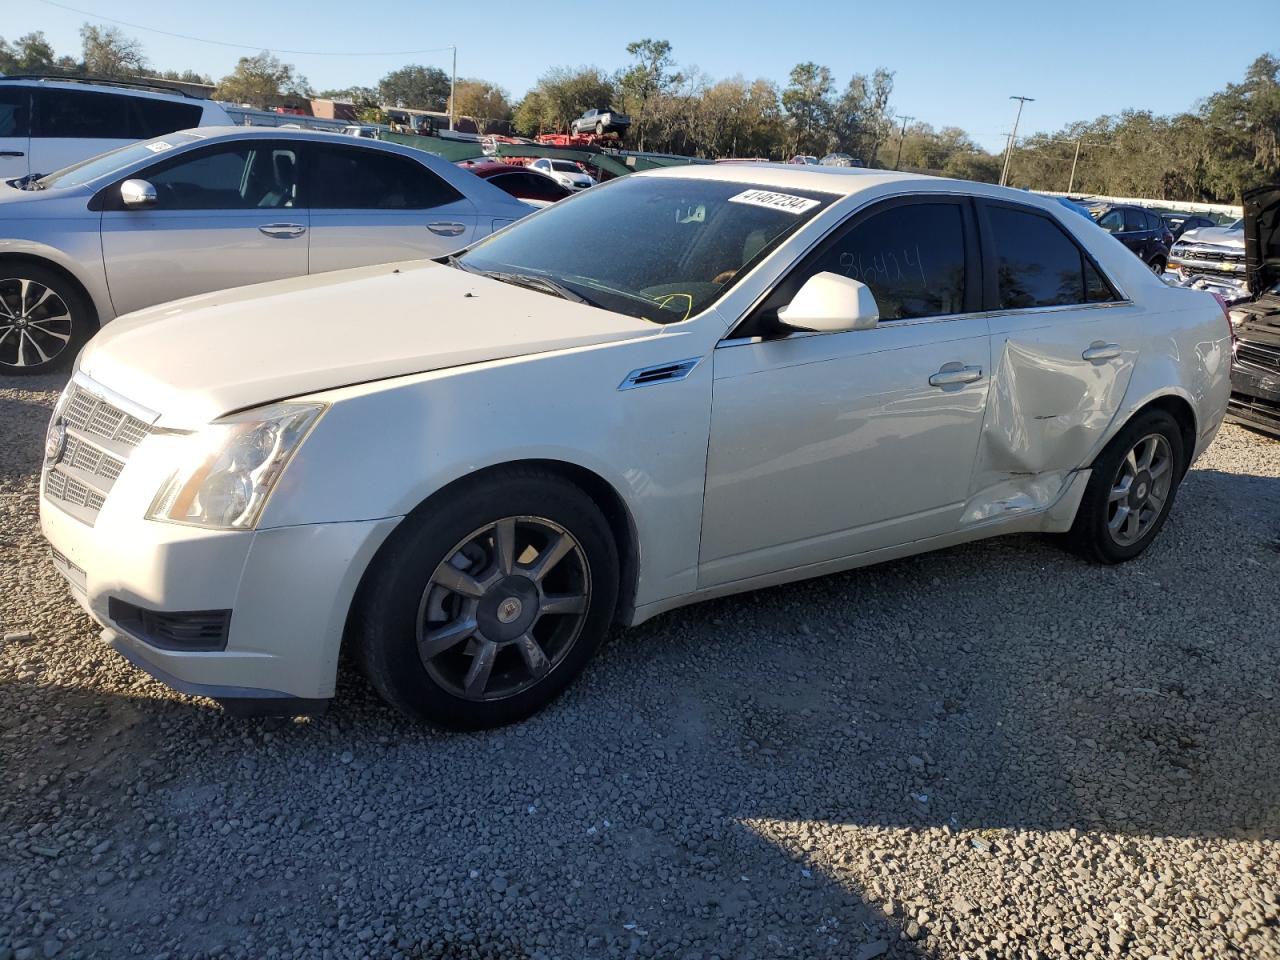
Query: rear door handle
x,y
955,374
12,153
1100,351
283,231
447,228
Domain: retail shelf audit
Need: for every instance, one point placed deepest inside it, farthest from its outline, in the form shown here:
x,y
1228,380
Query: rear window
x,y
356,179
1038,265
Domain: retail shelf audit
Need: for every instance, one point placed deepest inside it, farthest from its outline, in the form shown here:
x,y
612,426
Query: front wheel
x,y
1131,490
1157,267
44,319
482,610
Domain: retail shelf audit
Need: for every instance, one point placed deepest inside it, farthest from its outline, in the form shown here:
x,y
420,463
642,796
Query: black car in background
x,y
1255,367
1142,231
1180,223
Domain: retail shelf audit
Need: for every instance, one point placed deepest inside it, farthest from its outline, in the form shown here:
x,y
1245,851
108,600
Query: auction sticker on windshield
x,y
776,201
160,146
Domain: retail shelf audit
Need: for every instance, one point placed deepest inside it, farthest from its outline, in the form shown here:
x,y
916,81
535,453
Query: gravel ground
x,y
994,751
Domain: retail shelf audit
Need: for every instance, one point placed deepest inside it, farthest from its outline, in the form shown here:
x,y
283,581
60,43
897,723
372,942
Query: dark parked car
x,y
1255,368
534,188
1180,223
1143,232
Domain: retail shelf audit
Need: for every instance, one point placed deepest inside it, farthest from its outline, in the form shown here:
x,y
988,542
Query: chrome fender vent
x,y
661,373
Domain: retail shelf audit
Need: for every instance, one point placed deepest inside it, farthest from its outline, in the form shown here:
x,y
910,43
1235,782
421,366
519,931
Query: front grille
x,y
1201,253
1258,355
96,416
99,438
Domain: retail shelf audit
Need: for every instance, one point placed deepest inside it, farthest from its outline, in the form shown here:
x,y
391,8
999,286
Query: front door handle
x,y
447,228
955,374
1100,351
283,231
12,153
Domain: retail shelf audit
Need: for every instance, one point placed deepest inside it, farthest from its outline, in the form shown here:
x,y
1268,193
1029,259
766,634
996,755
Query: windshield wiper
x,y
534,281
453,260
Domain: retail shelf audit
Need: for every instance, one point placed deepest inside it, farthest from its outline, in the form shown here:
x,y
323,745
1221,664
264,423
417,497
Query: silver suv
x,y
48,123
216,207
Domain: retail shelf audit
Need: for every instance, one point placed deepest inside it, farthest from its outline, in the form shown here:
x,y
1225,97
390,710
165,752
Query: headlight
x,y
232,467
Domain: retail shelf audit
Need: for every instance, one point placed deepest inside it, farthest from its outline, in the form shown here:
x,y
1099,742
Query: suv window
x,y
1112,221
241,176
1134,220
15,112
912,256
1038,264
94,115
346,179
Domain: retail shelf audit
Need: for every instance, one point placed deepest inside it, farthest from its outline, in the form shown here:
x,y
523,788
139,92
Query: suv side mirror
x,y
136,194
830,303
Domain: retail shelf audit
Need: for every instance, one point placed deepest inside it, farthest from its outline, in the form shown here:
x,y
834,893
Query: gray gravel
x,y
995,751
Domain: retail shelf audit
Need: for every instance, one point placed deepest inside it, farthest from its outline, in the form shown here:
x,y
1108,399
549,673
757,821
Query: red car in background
x,y
534,188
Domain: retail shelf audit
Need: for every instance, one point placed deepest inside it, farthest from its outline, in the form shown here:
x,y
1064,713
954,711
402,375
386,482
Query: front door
x,y
824,446
224,216
15,131
374,206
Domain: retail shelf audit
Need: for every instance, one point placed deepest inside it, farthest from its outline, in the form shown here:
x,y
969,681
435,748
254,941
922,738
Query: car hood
x,y
1262,238
199,358
1219,236
16,203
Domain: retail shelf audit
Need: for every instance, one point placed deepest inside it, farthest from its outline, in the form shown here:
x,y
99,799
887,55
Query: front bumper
x,y
289,590
1255,397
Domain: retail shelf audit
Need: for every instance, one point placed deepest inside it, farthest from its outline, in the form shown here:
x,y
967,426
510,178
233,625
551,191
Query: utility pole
x,y
1074,160
453,85
901,137
1008,153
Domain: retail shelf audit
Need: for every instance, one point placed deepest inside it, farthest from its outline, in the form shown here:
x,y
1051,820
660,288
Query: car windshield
x,y
108,163
567,166
659,248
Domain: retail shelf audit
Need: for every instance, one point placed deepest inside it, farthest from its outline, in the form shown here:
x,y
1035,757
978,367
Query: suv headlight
x,y
233,465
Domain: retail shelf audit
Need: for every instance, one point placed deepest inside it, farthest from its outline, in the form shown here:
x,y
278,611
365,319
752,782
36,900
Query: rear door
x,y
15,131
1064,342
374,206
225,215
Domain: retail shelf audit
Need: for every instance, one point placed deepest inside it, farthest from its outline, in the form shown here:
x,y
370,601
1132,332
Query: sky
x,y
955,63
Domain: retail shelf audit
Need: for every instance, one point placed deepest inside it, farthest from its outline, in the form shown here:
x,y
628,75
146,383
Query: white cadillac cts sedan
x,y
678,385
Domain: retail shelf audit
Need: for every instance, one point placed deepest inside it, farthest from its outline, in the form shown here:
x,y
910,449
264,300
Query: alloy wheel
x,y
1140,489
35,323
503,608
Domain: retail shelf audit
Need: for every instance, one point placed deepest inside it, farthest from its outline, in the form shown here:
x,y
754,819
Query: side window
x,y
1134,220
1112,221
243,176
15,112
531,186
82,114
155,117
346,179
912,256
1038,265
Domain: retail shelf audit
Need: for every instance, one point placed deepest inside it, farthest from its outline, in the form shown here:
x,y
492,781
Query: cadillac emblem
x,y
55,444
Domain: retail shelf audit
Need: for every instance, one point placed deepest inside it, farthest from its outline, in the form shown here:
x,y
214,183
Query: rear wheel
x,y
44,319
1157,266
1130,490
482,610
599,129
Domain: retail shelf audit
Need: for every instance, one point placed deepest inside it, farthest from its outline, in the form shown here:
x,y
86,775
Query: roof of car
x,y
838,180
132,88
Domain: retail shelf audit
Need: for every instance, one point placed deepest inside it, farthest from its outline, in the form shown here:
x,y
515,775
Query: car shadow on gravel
x,y
792,772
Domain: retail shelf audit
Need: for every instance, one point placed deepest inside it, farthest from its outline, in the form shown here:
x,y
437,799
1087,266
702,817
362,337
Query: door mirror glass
x,y
137,193
830,303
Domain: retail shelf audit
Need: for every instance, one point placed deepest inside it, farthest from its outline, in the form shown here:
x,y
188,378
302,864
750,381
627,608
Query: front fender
x,y
79,253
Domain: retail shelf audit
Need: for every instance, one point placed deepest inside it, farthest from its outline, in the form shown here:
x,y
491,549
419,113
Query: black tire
x,y
24,339
1091,534
1157,266
599,129
396,590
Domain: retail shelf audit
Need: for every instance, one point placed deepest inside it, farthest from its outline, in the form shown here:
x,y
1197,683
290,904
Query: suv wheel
x,y
1157,266
1130,490
44,320
482,609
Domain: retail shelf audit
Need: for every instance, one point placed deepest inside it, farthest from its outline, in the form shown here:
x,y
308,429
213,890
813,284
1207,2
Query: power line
x,y
245,46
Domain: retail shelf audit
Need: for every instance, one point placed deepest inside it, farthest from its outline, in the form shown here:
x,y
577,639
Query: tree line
x,y
1225,144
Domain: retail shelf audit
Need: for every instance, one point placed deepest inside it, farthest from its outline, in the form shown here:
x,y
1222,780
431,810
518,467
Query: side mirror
x,y
138,193
830,303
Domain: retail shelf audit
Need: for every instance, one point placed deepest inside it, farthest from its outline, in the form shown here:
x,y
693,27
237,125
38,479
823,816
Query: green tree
x,y
109,53
807,100
415,86
262,81
560,95
484,102
647,82
30,53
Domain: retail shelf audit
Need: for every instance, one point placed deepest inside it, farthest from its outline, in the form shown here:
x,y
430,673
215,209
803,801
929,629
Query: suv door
x,y
828,445
375,206
225,215
1063,341
15,131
